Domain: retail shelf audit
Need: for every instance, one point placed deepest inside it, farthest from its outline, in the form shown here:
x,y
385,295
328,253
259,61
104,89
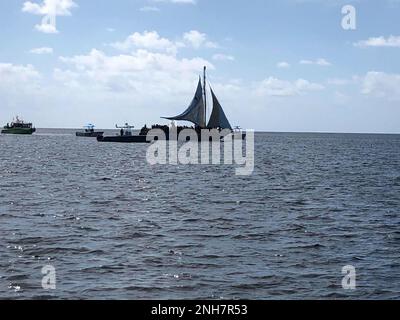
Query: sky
x,y
275,65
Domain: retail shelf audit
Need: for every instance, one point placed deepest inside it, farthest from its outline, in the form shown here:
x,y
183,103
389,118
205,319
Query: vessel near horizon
x,y
125,136
18,126
196,113
89,132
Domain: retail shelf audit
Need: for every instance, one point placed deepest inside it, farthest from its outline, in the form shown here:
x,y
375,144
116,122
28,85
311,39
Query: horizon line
x,y
256,131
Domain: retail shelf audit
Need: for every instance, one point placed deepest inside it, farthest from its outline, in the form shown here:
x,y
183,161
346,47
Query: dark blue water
x,y
115,227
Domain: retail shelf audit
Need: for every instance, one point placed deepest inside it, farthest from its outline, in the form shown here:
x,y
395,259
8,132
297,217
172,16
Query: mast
x,y
205,95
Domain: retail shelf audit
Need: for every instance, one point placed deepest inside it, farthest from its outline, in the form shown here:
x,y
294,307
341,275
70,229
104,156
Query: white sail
x,y
218,118
196,111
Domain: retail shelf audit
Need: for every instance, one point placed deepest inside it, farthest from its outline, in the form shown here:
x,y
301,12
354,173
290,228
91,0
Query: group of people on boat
x,y
165,128
18,126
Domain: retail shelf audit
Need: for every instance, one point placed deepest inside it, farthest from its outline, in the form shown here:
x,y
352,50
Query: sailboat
x,y
196,113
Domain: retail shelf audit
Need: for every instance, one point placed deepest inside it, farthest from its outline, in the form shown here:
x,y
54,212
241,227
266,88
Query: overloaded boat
x,y
18,126
89,132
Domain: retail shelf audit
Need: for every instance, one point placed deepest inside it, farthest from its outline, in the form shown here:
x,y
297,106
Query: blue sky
x,y
275,65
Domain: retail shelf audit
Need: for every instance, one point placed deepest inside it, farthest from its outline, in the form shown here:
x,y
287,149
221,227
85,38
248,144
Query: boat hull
x,y
89,134
148,138
168,137
124,139
20,131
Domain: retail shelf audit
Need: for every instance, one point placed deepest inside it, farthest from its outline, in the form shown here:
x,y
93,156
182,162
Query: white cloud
x,y
282,88
197,40
146,40
10,73
381,85
392,41
319,62
283,65
151,40
223,57
57,7
146,56
46,28
17,82
49,9
142,71
44,50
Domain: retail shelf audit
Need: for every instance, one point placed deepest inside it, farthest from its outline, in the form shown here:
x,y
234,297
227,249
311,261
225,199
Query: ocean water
x,y
114,227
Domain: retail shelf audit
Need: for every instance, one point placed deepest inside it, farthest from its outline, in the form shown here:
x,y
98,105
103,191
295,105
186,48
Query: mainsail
x,y
196,111
218,118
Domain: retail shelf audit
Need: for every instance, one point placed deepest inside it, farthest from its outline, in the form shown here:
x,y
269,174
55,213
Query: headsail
x,y
218,118
196,111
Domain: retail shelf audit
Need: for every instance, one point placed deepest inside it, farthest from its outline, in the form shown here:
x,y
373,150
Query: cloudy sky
x,y
276,65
